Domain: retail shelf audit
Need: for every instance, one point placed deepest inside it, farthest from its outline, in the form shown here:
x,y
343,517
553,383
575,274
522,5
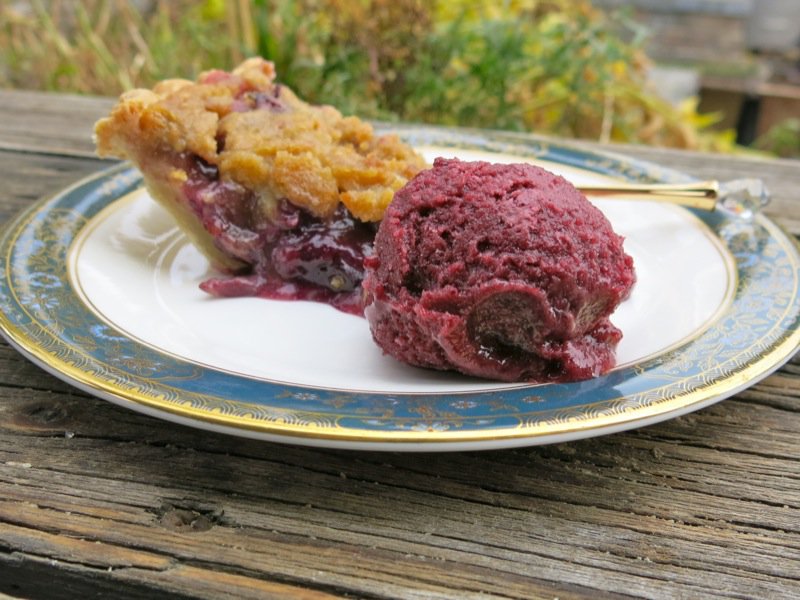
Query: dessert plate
x,y
100,289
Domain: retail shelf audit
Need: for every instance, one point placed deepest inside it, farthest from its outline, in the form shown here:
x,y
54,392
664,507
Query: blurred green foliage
x,y
556,67
782,139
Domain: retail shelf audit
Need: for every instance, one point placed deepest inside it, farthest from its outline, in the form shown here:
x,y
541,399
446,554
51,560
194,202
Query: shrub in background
x,y
555,67
782,139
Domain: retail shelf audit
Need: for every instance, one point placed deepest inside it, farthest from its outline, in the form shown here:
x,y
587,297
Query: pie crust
x,y
228,154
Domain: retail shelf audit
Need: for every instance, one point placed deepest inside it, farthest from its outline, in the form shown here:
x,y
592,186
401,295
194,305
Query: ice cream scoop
x,y
499,271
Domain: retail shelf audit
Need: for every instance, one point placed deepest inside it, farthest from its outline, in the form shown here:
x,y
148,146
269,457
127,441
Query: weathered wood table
x,y
96,500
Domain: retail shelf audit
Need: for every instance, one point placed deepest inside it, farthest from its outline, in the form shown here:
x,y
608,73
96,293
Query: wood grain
x,y
96,500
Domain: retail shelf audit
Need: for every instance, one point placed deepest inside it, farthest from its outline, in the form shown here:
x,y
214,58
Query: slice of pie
x,y
281,196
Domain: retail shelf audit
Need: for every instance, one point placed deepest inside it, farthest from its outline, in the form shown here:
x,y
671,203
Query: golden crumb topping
x,y
259,135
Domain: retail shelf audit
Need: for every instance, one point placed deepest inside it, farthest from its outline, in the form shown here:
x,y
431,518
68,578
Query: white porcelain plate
x,y
101,289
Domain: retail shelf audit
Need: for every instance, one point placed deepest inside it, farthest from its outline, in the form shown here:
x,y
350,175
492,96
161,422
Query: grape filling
x,y
289,256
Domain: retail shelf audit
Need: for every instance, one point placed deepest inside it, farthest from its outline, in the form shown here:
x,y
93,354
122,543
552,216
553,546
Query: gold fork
x,y
742,198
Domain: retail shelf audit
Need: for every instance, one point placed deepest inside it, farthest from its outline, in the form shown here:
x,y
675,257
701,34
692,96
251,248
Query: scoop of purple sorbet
x,y
501,271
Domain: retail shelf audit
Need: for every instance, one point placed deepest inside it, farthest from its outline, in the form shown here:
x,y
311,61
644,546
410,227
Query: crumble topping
x,y
242,135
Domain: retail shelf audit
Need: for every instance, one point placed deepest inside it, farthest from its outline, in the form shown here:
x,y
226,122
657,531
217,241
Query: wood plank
x,y
96,499
661,514
28,177
61,124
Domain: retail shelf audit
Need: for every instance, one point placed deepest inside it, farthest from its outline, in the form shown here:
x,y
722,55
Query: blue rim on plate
x,y
46,320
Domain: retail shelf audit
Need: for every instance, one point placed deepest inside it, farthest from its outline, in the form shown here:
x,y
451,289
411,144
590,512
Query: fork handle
x,y
697,194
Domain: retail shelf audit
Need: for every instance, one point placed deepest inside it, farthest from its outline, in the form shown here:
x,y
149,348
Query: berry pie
x,y
281,196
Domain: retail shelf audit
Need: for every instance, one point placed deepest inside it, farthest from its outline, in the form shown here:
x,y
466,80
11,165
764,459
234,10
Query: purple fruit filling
x,y
289,256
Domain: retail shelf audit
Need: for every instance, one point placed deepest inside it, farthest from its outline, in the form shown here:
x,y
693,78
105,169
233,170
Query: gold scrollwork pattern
x,y
42,315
